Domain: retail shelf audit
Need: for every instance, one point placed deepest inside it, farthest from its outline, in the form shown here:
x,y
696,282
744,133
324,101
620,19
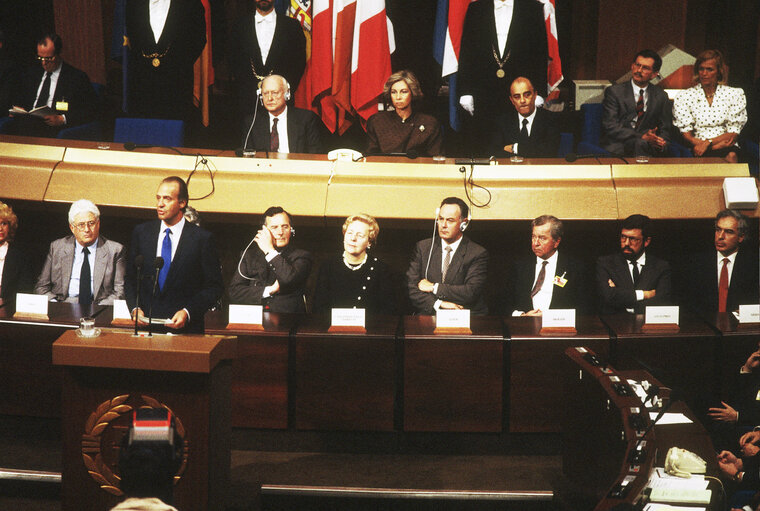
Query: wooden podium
x,y
108,376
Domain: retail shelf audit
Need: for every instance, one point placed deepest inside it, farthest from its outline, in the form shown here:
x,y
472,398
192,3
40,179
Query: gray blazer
x,y
108,279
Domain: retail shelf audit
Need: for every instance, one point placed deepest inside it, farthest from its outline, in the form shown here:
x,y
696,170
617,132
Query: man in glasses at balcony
x,y
279,128
64,89
633,278
85,267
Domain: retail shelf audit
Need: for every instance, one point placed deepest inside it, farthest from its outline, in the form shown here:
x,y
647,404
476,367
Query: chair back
x,y
158,132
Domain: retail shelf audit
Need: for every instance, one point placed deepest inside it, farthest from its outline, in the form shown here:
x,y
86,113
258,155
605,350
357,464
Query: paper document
x,y
670,418
661,479
654,506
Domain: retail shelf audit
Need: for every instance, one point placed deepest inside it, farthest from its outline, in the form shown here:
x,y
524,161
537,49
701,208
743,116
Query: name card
x,y
454,318
749,313
120,310
552,318
661,315
246,314
348,317
31,304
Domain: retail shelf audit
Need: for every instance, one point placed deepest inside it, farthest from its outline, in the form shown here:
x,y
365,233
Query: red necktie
x,y
723,286
274,139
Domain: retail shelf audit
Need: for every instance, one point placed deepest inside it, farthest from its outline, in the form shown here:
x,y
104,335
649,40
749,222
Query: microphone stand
x,y
158,265
139,265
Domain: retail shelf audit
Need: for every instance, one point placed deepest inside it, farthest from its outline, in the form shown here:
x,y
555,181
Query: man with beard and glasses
x,y
633,278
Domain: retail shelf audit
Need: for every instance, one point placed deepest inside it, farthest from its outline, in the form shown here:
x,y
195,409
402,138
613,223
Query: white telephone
x,y
344,155
682,463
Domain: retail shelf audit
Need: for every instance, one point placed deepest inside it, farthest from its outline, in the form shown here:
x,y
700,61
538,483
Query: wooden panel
x,y
453,383
80,25
25,169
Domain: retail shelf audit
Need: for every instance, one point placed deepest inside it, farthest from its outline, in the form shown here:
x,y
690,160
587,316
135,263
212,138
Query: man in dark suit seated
x,y
633,278
552,279
273,273
66,90
637,116
526,131
84,267
450,273
720,280
281,129
190,280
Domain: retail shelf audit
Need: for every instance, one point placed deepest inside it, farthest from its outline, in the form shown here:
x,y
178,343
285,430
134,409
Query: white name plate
x,y
454,318
348,317
121,310
661,315
558,318
31,304
749,313
246,314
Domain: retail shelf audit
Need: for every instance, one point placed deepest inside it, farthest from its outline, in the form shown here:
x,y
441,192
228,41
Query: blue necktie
x,y
166,254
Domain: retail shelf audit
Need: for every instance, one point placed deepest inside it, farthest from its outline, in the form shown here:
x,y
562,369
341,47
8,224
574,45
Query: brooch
x,y
422,127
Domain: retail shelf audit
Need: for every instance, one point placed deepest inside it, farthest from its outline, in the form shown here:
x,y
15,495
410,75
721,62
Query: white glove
x,y
468,104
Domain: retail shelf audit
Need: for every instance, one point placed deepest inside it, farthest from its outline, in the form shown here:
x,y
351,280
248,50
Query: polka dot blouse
x,y
727,114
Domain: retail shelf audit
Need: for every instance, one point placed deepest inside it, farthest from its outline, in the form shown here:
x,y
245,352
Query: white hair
x,y
82,206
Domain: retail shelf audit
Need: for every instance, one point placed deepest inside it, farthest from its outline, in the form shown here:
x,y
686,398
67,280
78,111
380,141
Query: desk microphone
x,y
638,455
411,154
158,264
139,259
571,157
131,146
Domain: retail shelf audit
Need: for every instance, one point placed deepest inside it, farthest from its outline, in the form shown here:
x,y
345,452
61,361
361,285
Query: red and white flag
x,y
554,64
371,57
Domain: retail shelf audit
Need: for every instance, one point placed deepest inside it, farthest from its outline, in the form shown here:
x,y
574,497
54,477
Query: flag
x,y
119,45
203,71
447,38
554,64
371,56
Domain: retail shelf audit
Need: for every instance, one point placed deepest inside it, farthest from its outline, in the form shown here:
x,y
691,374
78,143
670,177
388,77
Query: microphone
x,y
139,260
158,264
473,161
411,154
131,146
571,157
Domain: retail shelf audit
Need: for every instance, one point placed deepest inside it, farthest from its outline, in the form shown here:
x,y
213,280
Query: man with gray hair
x,y
721,279
84,267
549,279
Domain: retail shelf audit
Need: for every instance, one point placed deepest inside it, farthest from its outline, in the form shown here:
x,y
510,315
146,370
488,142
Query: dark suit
x,y
304,131
574,294
73,87
655,274
107,276
291,269
619,109
166,91
701,280
17,274
542,142
465,278
194,281
287,56
528,54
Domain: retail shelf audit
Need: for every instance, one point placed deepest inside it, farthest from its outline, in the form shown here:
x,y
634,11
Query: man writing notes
x,y
552,279
280,128
633,278
273,273
637,116
85,267
189,280
721,279
527,131
451,272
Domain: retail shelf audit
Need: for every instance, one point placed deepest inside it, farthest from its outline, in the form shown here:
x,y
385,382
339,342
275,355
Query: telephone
x,y
344,155
682,463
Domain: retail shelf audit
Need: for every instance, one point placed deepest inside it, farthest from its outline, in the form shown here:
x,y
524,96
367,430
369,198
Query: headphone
x,y
465,223
287,88
462,226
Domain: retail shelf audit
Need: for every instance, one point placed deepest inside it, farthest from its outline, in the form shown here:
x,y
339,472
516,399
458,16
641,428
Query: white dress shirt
x,y
76,269
543,298
454,246
53,84
502,12
176,231
731,261
636,90
528,126
265,26
282,130
159,11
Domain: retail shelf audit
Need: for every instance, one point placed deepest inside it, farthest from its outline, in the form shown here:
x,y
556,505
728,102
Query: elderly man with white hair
x,y
84,267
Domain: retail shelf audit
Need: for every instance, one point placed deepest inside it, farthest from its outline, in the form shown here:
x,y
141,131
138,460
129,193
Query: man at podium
x,y
176,262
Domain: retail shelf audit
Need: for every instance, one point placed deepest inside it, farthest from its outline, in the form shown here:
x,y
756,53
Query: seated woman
x,y
710,115
15,271
402,130
356,279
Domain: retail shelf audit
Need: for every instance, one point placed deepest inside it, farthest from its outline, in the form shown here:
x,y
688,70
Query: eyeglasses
x,y
631,239
81,225
47,59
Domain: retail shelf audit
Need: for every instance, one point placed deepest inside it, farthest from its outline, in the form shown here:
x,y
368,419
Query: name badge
x,y
749,313
348,317
31,304
661,315
62,106
121,310
560,280
454,318
558,318
246,314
